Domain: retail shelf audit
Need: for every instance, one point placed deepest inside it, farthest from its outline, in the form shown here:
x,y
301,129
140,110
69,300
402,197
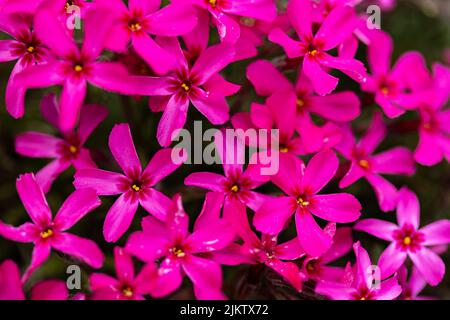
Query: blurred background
x,y
421,25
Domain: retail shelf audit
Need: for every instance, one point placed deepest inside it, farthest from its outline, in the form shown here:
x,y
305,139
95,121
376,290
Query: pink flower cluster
x,y
239,224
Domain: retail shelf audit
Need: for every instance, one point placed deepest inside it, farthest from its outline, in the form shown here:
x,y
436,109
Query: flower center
x,y
407,240
384,90
313,52
213,3
284,149
31,49
303,203
186,86
47,233
234,188
78,68
73,149
364,164
134,26
127,291
68,4
136,187
300,103
178,252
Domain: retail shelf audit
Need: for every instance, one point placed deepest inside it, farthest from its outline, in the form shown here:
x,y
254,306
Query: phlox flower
x,y
237,184
393,87
359,282
134,186
47,233
73,67
317,268
335,29
127,286
136,22
26,48
408,240
181,252
301,185
197,83
298,102
364,163
412,286
224,12
65,151
11,286
31,6
322,8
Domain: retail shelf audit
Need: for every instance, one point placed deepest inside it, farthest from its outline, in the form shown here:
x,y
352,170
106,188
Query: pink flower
x,y
66,151
134,186
73,68
47,233
197,83
393,87
26,48
267,251
237,185
434,129
299,103
127,286
407,240
224,12
301,186
142,18
11,287
359,283
336,28
182,252
317,268
398,160
31,6
413,286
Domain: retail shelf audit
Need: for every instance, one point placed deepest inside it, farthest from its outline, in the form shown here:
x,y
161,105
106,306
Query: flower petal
x,y
122,148
437,233
312,238
119,217
429,264
38,145
320,170
273,215
408,208
378,228
391,260
106,183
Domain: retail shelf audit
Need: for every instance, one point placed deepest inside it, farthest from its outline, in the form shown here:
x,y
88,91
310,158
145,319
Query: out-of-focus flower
x,y
411,287
134,186
65,151
398,160
335,29
301,186
360,283
11,287
407,240
127,286
47,233
182,252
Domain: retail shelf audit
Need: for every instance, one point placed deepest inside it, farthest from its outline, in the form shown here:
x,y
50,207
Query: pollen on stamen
x,y
135,187
78,68
407,241
302,202
135,26
185,87
213,3
73,149
46,233
234,188
127,292
364,164
300,103
313,53
284,149
31,49
178,252
384,90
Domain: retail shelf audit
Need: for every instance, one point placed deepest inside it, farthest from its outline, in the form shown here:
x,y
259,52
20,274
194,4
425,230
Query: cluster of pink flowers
x,y
239,224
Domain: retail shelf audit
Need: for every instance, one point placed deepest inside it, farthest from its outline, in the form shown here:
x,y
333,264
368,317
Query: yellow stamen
x,y
135,26
301,202
135,187
364,164
213,3
46,234
73,149
363,298
300,103
185,87
313,52
234,188
178,252
127,292
384,90
284,149
78,68
31,49
407,240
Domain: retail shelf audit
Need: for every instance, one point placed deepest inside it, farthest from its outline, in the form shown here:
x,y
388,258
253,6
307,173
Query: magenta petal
x,y
84,249
320,170
216,236
323,82
124,265
147,247
288,270
41,252
374,135
378,228
172,20
96,34
335,291
6,54
408,208
211,209
27,232
91,116
337,26
380,53
300,14
203,273
397,160
290,174
341,106
390,289
266,78
122,148
33,199
312,238
292,48
355,69
273,215
15,93
169,278
76,206
227,27
38,145
437,233
429,264
119,217
49,107
155,203
339,207
211,61
214,107
50,290
354,174
160,166
206,180
173,118
391,260
72,98
40,76
160,60
285,120
428,152
342,244
289,250
385,191
11,286
104,182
